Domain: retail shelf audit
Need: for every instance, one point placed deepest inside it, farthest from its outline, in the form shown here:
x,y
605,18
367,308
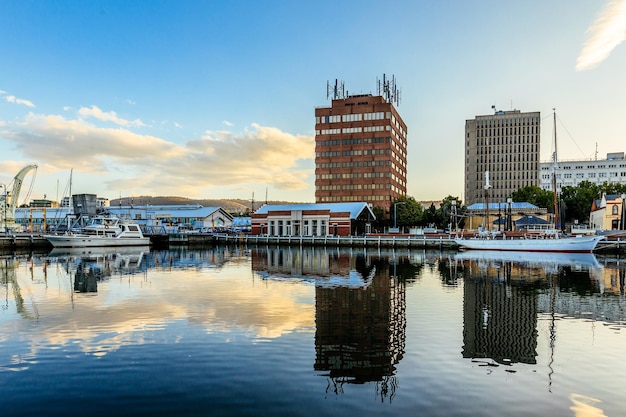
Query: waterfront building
x,y
158,218
320,219
360,151
500,216
100,202
505,144
608,213
573,172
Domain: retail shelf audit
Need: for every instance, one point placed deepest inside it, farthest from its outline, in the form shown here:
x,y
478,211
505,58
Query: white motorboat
x,y
101,231
531,243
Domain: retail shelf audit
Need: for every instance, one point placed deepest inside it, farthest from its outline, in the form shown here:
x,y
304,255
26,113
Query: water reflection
x,y
232,319
360,312
92,265
506,294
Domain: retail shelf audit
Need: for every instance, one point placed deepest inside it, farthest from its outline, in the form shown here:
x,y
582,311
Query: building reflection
x,y
505,296
360,312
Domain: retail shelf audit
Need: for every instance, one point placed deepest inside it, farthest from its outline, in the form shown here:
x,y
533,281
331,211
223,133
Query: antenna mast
x,y
337,91
388,89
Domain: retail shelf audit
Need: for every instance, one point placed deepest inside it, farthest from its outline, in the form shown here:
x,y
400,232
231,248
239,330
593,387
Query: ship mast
x,y
554,167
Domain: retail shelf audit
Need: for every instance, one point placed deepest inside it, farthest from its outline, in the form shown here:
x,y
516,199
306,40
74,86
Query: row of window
x,y
504,141
520,170
593,166
354,117
507,149
313,227
354,141
497,159
352,130
581,175
503,122
335,199
507,131
353,175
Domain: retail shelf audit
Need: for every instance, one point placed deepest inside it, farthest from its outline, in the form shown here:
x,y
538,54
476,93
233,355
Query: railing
x,y
387,241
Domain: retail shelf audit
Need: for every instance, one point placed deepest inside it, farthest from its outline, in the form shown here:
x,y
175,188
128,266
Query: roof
x,y
199,211
530,220
355,209
242,221
504,205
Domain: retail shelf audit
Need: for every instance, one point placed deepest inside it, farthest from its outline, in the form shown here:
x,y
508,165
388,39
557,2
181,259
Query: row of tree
x,y
575,204
407,212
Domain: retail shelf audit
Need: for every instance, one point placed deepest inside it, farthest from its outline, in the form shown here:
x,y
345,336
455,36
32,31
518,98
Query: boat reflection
x,y
548,261
92,265
360,312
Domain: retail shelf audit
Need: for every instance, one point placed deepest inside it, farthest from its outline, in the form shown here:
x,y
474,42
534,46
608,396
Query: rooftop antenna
x,y
388,89
337,91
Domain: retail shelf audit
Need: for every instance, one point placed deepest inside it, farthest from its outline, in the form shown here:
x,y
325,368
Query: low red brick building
x,y
330,219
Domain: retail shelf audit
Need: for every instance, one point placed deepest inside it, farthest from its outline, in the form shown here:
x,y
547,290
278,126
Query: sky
x,y
216,99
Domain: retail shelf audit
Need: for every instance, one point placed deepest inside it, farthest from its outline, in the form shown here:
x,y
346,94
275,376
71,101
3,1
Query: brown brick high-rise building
x,y
360,151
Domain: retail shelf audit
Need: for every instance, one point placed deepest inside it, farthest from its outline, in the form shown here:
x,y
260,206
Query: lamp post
x,y
394,212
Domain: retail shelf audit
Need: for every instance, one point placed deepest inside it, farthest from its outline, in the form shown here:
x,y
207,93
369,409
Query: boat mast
x,y
554,168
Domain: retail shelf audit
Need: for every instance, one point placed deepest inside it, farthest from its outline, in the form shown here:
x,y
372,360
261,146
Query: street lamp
x,y
394,212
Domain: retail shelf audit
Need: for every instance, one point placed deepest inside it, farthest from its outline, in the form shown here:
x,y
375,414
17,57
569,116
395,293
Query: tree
x,y
381,218
408,212
534,195
612,188
578,200
447,212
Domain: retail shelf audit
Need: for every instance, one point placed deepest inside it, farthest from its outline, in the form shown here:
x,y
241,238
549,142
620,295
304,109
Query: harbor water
x,y
279,331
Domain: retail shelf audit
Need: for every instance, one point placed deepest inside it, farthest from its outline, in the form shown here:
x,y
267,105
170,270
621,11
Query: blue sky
x,y
209,99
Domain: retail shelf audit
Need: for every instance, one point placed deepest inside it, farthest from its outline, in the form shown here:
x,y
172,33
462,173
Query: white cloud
x,y
147,164
13,99
227,123
605,34
111,116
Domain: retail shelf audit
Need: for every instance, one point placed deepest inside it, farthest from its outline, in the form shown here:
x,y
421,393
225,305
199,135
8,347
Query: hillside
x,y
231,205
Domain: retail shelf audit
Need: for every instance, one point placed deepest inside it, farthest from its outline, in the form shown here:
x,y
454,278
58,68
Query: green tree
x,y
612,188
381,219
578,200
433,216
447,213
534,195
408,212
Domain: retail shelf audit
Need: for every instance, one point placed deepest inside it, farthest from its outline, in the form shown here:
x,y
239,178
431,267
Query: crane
x,y
9,201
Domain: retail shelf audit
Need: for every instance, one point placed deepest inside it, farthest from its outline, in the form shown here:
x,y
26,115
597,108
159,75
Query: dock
x,y
164,240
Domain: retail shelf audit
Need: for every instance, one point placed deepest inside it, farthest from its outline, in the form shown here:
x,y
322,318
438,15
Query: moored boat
x,y
103,234
547,243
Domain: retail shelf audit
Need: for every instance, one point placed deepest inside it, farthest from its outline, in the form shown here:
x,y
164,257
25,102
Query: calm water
x,y
311,332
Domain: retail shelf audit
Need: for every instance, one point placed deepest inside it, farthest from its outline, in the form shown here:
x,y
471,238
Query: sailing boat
x,y
547,242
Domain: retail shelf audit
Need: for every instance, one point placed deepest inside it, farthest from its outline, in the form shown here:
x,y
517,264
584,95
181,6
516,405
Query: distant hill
x,y
235,206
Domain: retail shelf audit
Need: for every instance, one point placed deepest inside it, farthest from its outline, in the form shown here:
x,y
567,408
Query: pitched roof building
x,y
338,219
